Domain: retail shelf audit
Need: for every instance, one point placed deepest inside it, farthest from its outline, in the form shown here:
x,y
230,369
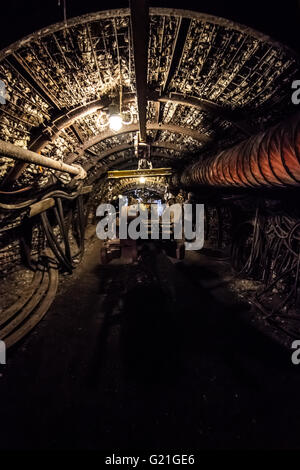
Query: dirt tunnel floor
x,y
148,356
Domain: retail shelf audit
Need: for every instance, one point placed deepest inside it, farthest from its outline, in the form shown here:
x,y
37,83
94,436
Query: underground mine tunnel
x,y
160,341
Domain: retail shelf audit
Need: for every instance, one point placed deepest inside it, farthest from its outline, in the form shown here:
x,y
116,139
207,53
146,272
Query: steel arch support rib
x,y
139,11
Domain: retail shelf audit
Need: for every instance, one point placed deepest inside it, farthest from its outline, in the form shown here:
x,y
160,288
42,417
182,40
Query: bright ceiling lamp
x,y
114,118
142,179
115,122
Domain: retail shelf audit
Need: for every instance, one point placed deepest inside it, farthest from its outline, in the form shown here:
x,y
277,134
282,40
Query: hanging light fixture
x,y
115,119
115,122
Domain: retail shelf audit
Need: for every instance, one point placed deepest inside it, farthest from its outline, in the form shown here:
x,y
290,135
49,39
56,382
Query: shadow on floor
x,y
131,357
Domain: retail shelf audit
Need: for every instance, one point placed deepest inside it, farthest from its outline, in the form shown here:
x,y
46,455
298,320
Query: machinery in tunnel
x,y
159,106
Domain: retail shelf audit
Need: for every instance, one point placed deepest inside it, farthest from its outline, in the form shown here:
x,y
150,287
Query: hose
x,y
33,312
23,205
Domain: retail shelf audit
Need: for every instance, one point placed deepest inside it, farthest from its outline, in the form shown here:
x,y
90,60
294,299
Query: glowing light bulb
x,y
115,122
142,180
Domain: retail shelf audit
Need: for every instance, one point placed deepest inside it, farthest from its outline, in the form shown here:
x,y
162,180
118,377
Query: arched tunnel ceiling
x,y
211,82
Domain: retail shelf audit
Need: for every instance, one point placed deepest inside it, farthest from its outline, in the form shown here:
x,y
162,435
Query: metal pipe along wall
x,y
20,153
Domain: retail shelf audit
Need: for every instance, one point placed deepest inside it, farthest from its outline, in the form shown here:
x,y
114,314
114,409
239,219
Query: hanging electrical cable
x,y
63,255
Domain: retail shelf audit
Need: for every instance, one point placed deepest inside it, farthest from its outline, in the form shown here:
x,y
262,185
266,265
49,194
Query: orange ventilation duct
x,y
271,158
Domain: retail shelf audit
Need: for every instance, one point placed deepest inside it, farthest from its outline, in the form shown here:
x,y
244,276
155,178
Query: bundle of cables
x,y
63,254
271,243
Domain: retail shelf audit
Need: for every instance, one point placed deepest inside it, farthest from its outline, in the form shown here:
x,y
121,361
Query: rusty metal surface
x,y
19,153
151,126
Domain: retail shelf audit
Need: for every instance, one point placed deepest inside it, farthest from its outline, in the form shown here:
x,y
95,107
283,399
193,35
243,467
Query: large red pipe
x,y
271,158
